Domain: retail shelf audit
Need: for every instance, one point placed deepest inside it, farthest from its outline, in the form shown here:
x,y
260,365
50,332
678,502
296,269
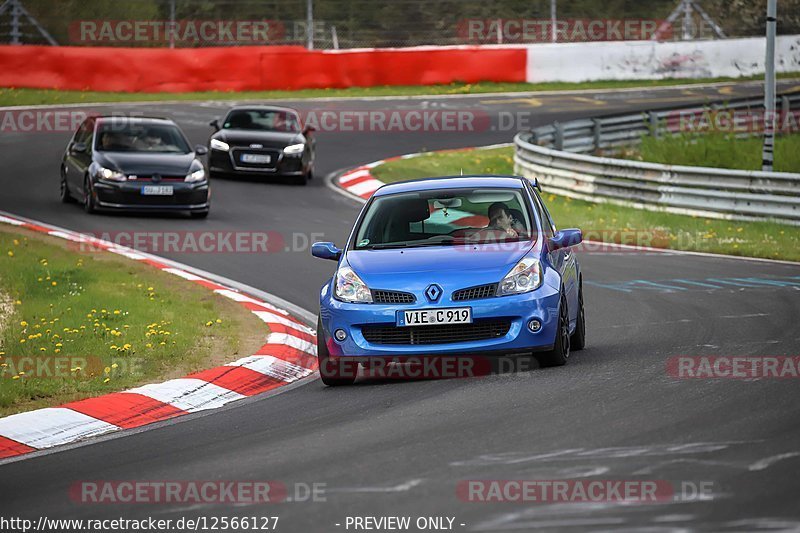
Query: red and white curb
x,y
289,354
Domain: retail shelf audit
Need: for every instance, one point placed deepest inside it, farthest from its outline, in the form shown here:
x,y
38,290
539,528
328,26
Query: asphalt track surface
x,y
400,448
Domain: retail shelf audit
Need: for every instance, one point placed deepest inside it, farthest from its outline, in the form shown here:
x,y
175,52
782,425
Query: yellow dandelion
x,y
10,253
23,324
219,321
115,365
22,341
106,380
57,350
15,377
107,370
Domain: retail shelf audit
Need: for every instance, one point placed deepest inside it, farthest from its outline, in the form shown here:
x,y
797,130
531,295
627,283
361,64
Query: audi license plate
x,y
256,158
433,317
157,190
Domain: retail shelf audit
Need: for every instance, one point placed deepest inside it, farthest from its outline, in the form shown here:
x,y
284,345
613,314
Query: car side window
x,y
547,227
543,208
83,132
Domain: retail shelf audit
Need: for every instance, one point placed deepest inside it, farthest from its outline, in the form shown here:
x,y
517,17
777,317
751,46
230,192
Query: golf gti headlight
x,y
350,288
196,175
294,149
110,175
524,277
216,144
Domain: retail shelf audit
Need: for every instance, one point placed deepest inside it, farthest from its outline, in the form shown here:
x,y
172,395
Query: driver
x,y
500,219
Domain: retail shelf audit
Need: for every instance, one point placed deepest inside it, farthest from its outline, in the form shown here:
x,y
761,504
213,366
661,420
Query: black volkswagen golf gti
x,y
134,164
262,140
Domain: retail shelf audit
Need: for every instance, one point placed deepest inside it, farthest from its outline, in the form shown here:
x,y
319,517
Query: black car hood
x,y
146,163
268,139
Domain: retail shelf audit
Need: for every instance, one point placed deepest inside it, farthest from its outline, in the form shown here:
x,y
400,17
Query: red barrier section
x,y
251,68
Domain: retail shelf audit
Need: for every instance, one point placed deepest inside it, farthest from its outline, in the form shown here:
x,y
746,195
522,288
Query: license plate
x,y
433,317
157,190
256,158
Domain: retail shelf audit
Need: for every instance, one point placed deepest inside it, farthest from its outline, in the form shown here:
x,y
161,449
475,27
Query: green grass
x,y
19,97
128,322
611,223
717,150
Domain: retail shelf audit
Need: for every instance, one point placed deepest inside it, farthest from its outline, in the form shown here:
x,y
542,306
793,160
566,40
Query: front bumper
x,y
541,304
221,162
128,196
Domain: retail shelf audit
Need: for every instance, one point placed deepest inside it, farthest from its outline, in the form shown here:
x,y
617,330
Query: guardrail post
x,y
558,136
786,106
597,132
653,124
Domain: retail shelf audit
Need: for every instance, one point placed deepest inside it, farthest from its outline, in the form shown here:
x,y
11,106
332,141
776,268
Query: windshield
x,y
161,138
445,217
262,120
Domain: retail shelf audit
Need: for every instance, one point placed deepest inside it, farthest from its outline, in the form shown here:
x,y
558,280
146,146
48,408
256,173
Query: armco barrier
x,y
252,68
557,155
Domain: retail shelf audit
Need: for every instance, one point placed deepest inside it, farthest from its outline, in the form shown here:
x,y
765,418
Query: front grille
x,y
443,334
475,293
392,297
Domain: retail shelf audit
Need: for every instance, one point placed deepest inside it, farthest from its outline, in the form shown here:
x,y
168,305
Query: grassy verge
x,y
19,97
84,324
717,150
610,223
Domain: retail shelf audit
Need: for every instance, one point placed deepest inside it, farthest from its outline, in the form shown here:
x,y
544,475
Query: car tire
x,y
199,214
332,372
88,198
560,353
577,340
66,197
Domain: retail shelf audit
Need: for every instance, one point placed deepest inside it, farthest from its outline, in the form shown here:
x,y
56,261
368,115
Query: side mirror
x,y
214,124
79,148
326,250
200,149
308,129
566,238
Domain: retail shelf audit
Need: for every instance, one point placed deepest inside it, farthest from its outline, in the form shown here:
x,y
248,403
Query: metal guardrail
x,y
558,156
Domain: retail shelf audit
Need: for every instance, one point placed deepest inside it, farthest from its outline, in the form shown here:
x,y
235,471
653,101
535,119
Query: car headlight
x,y
350,288
524,277
197,175
294,149
216,144
110,175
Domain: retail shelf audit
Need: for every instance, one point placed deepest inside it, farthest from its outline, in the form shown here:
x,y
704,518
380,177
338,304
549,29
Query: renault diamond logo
x,y
433,292
256,145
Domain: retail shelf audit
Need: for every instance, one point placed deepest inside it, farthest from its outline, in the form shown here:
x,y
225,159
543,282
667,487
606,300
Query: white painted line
x,y
183,274
268,317
189,394
353,175
11,221
290,340
273,367
51,426
365,187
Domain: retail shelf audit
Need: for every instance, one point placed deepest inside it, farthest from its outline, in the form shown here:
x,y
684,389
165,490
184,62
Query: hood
x,y
146,163
269,139
452,267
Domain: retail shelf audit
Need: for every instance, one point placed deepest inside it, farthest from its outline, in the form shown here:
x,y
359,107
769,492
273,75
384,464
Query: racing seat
x,y
403,213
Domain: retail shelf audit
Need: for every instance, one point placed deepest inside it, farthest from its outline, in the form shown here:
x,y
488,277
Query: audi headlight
x,y
197,175
110,175
294,149
524,277
216,144
350,288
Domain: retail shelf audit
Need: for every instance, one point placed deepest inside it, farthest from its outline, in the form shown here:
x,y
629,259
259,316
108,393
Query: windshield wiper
x,y
391,245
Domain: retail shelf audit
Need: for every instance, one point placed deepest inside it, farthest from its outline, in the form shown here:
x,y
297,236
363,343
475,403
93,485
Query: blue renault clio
x,y
451,266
